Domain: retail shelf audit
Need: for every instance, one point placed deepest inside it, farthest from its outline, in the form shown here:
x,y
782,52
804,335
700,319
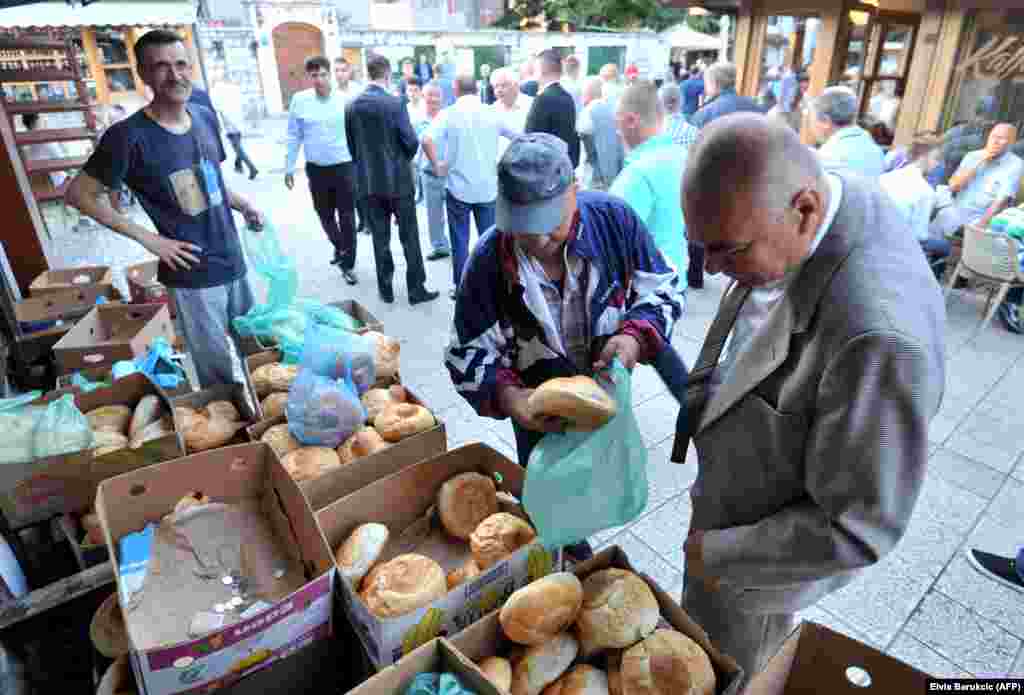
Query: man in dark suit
x,y
382,142
554,109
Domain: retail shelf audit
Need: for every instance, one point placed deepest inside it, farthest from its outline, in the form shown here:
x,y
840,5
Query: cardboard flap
x,y
63,304
436,656
315,552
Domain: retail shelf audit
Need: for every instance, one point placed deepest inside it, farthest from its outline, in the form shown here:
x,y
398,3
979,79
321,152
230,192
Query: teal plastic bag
x,y
437,684
62,429
579,483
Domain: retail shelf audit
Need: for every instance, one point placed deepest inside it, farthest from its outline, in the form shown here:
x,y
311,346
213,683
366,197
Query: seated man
x,y
566,281
845,145
983,185
908,187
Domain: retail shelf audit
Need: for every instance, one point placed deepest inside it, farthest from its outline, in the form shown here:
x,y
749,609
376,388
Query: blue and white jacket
x,y
503,331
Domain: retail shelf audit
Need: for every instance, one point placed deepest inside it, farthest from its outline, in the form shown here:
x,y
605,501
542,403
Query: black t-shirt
x,y
177,179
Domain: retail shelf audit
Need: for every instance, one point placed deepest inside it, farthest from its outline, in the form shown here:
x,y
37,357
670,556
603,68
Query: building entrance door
x,y
294,42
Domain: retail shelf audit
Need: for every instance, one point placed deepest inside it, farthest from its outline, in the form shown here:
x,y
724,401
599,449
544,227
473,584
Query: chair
x,y
993,258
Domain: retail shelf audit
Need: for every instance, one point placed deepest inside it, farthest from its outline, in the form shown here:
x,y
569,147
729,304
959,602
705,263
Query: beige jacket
x,y
813,451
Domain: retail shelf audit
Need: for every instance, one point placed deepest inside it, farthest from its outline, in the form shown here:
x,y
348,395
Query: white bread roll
x,y
499,672
385,359
400,420
310,462
223,410
578,399
402,585
280,439
273,406
360,552
619,609
667,663
376,400
543,664
363,443
581,680
542,609
497,537
113,418
464,501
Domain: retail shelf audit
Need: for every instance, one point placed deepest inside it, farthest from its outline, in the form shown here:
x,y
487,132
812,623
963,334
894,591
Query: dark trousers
x,y
458,229
695,274
240,155
937,250
379,211
333,199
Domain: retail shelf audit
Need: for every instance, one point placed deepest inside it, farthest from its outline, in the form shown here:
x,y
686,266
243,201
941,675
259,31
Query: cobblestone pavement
x,y
923,604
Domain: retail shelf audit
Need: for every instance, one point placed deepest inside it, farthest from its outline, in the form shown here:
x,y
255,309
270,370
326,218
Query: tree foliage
x,y
624,15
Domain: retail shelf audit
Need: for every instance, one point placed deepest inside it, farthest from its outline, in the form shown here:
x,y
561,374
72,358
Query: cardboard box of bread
x,y
597,630
220,567
214,417
429,663
98,277
132,427
113,332
815,659
447,547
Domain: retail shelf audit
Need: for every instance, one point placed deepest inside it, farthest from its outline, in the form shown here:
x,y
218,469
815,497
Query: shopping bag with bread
x,y
593,476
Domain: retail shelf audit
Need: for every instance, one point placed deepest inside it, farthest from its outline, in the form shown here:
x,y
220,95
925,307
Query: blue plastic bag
x,y
579,483
437,684
157,364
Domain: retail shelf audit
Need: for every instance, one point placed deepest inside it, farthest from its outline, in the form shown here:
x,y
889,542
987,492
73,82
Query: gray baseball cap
x,y
533,177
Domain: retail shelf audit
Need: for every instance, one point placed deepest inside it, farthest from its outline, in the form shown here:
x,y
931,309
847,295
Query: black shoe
x,y
423,295
336,260
350,277
239,168
1002,569
387,295
253,173
580,552
452,294
437,255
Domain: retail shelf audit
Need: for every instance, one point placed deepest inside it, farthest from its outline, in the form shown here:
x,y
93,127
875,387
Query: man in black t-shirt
x,y
169,155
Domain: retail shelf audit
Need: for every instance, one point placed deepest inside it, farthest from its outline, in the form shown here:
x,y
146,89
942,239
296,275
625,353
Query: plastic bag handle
x,y
19,401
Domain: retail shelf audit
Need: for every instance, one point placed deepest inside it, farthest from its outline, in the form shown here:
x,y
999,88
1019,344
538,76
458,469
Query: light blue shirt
x,y
993,181
650,184
853,149
318,126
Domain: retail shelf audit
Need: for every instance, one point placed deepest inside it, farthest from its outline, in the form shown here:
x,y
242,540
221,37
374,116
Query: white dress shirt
x,y
913,196
758,306
514,118
317,126
469,131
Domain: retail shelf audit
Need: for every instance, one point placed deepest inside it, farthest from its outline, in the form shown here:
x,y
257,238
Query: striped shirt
x,y
681,131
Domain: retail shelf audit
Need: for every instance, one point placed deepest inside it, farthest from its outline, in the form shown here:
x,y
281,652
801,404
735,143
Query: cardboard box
x,y
103,375
250,364
49,281
337,484
144,287
436,656
86,554
31,492
409,494
815,659
235,393
486,638
247,472
113,332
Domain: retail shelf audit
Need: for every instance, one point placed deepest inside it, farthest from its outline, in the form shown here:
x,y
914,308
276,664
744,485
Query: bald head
x,y
1002,138
592,90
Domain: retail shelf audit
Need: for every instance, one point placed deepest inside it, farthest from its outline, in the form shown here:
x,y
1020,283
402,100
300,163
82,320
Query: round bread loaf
x,y
209,433
581,680
310,462
113,418
499,672
619,609
464,501
543,664
360,552
223,410
106,441
497,537
375,400
400,420
273,405
468,570
402,585
107,630
385,359
280,439
578,399
542,609
273,378
185,417
667,663
363,443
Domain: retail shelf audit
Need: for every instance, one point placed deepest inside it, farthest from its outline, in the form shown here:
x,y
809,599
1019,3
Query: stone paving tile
x,y
1017,671
940,429
1001,605
657,419
988,438
1006,508
665,528
646,384
666,480
669,576
968,474
912,651
963,636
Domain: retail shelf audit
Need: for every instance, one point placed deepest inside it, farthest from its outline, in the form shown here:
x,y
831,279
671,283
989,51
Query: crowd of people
x,y
598,203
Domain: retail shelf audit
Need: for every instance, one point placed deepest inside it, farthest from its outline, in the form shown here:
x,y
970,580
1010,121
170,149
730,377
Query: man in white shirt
x,y
346,87
909,189
468,132
511,104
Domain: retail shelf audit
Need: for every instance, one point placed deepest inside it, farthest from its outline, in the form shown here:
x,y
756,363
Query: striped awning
x,y
58,13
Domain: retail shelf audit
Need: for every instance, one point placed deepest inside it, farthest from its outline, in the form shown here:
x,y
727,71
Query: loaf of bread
x,y
375,400
280,439
402,585
360,552
209,433
497,537
273,378
580,680
464,501
667,663
363,443
619,609
273,405
579,400
543,664
400,420
223,410
112,418
310,462
499,672
385,359
542,609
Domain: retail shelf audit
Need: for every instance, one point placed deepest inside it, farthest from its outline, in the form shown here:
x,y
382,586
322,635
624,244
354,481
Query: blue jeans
x,y
458,229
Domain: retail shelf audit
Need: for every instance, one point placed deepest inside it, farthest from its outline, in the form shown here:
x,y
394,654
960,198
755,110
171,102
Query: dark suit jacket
x,y
554,111
382,142
529,88
722,105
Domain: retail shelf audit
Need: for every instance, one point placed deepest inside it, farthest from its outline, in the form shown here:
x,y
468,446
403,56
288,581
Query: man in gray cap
x,y
566,281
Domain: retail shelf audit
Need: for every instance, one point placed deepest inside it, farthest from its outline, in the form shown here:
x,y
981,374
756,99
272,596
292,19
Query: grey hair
x,y
723,75
837,104
671,96
503,74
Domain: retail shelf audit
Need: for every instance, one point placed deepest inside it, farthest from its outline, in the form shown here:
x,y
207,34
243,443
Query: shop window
x,y
789,44
113,47
120,80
